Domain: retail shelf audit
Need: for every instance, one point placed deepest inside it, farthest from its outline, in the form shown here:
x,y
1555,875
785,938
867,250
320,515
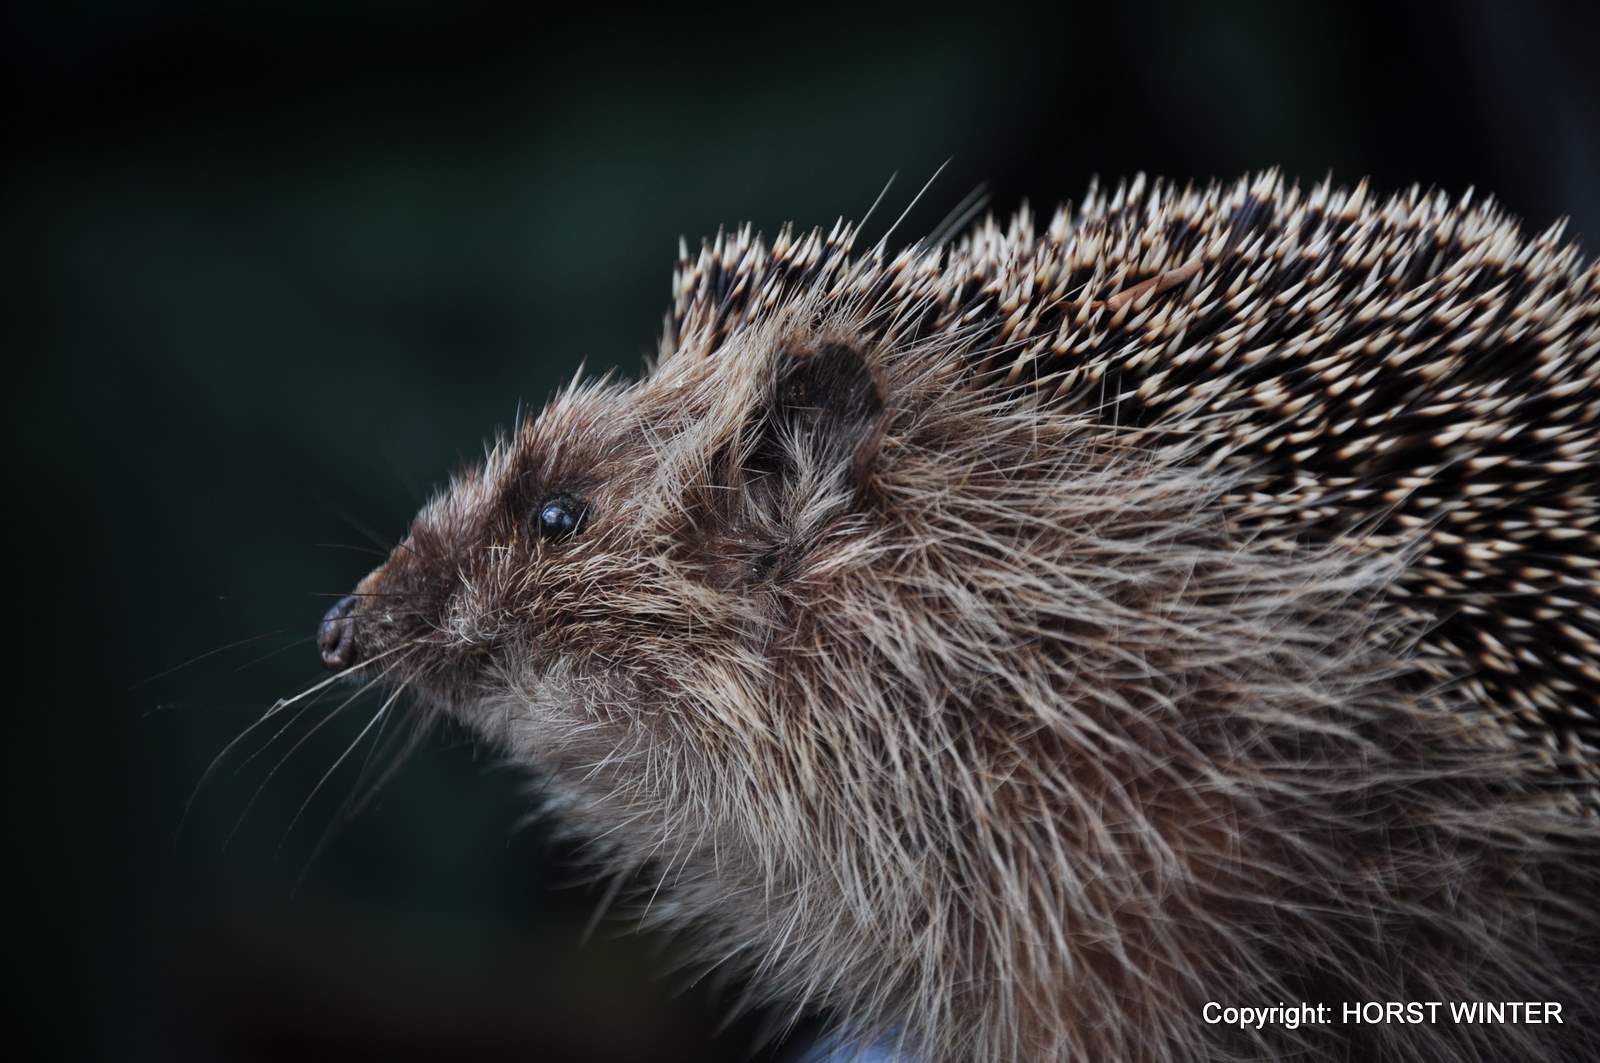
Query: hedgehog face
x,y
506,570
584,584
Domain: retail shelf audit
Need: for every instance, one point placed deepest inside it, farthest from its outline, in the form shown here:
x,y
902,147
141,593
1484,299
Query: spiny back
x,y
1381,372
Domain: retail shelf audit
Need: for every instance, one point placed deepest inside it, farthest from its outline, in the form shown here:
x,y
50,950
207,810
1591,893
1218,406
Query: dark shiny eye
x,y
560,516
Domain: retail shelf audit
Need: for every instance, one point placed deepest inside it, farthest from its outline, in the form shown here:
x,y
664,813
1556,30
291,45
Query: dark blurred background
x,y
274,269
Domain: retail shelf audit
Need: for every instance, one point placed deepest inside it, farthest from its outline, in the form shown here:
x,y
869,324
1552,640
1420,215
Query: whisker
x,y
296,644
177,706
410,743
351,748
361,594
368,685
358,798
350,519
216,761
209,653
286,702
366,761
269,743
407,548
353,547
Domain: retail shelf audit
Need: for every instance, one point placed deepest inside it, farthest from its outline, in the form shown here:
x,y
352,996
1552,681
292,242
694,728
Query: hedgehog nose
x,y
336,635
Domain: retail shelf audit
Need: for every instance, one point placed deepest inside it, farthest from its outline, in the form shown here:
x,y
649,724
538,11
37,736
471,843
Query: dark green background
x,y
274,269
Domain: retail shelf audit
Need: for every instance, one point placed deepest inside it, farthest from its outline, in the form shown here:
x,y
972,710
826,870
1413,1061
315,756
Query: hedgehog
x,y
1028,646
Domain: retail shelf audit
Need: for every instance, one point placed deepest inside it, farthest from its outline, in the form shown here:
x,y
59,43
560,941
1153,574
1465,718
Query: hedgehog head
x,y
621,565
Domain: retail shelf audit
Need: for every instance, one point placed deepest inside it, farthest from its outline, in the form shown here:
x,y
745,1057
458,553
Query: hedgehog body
x,y
1009,648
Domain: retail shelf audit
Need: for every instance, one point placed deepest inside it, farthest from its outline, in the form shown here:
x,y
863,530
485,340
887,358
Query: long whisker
x,y
362,594
290,722
320,724
351,748
209,653
285,648
359,526
366,761
359,798
277,706
409,745
217,761
284,703
355,547
181,706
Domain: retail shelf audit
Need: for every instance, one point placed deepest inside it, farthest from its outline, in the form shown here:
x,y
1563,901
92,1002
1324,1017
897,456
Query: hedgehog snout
x,y
336,635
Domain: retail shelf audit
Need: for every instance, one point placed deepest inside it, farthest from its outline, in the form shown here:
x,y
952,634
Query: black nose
x,y
336,636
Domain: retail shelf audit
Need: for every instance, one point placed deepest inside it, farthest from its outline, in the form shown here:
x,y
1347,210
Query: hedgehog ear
x,y
827,400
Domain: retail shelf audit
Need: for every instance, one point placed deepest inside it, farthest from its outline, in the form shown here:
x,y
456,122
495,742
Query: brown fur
x,y
1009,648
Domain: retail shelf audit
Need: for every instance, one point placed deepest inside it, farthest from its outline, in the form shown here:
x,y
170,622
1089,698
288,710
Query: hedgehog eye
x,y
560,516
